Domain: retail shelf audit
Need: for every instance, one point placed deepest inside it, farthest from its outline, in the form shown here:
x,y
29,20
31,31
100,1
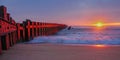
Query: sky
x,y
70,12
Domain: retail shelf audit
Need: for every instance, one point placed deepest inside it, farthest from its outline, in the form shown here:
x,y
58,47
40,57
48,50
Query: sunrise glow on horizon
x,y
69,12
102,24
99,24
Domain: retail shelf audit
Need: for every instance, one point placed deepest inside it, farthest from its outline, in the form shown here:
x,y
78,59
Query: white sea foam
x,y
82,36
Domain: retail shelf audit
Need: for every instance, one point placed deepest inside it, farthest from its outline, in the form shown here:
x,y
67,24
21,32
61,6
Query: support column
x,y
40,31
18,32
37,29
28,33
23,35
14,36
27,30
11,34
3,12
5,42
0,46
10,39
32,29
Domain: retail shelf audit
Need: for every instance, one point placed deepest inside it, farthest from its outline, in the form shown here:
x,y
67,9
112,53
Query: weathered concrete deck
x,y
60,52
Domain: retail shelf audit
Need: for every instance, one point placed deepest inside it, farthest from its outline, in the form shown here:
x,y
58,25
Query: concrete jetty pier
x,y
12,32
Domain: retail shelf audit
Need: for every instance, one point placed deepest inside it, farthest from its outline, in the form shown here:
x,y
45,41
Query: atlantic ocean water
x,y
83,35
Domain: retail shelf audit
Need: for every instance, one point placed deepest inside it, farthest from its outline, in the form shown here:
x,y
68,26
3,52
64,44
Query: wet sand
x,y
60,52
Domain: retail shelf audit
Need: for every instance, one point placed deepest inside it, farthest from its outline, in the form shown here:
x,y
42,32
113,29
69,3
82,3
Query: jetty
x,y
12,32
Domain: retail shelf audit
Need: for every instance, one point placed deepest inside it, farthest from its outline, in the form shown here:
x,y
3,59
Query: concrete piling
x,y
0,46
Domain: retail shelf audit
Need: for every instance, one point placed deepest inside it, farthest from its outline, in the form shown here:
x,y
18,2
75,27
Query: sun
x,y
99,24
99,45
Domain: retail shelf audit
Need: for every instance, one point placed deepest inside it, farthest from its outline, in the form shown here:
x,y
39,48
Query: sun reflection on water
x,y
99,45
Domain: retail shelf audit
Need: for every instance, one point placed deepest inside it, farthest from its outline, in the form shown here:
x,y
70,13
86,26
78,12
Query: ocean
x,y
78,35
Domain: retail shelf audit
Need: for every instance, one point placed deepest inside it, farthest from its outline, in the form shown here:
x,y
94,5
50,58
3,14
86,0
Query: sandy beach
x,y
60,52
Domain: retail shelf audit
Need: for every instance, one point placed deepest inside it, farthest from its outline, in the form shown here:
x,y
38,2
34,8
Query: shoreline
x,y
108,45
47,51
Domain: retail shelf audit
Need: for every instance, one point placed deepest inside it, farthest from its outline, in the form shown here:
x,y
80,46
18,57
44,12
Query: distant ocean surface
x,y
83,35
